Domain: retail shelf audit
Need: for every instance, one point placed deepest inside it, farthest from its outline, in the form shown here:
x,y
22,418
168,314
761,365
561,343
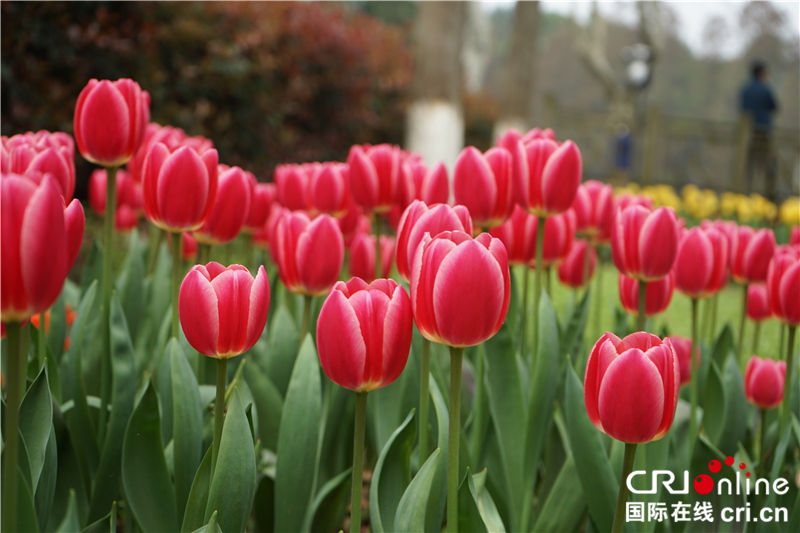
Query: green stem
x,y
762,446
156,236
476,437
13,398
424,400
587,264
641,317
537,289
358,462
177,244
742,323
42,335
782,339
787,382
705,332
693,365
456,356
597,297
108,252
219,411
756,334
714,308
306,318
250,253
622,499
523,325
377,224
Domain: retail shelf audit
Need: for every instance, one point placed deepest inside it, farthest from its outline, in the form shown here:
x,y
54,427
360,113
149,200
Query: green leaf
x,y
106,524
58,331
297,440
486,506
264,505
52,367
92,270
598,480
469,516
269,405
187,431
144,469
438,491
411,511
233,482
715,407
330,504
508,409
71,522
391,476
26,509
123,390
196,505
284,341
129,285
46,488
35,421
563,510
572,336
723,346
735,426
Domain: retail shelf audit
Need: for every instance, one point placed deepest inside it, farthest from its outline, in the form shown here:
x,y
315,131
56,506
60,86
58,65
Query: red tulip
x,y
444,267
727,228
572,271
594,211
329,189
783,284
125,219
757,302
752,251
262,195
644,243
518,235
129,198
701,264
231,205
364,333
764,382
353,223
172,138
188,247
362,256
223,310
658,294
553,175
482,183
40,242
559,232
309,253
263,237
683,348
110,121
431,185
291,185
631,386
35,154
419,219
794,236
179,186
374,176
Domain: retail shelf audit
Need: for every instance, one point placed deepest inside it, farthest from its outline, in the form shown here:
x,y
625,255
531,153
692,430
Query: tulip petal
x,y
74,221
183,176
561,177
474,184
397,329
104,124
603,353
15,197
322,238
232,288
339,335
658,244
199,313
259,307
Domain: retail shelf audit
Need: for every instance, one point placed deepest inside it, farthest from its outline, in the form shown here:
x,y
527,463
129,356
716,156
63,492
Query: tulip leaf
x,y
486,506
106,524
330,504
148,488
438,491
563,510
297,440
514,314
196,505
597,478
391,476
92,270
35,421
187,431
129,285
469,516
269,405
391,404
46,488
723,346
71,522
508,410
572,336
53,378
264,505
58,331
284,341
122,399
735,426
411,510
714,409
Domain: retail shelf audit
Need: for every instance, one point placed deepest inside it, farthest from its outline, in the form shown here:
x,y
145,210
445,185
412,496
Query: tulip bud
x,y
658,294
431,185
764,382
292,187
231,206
110,121
559,232
482,183
374,176
694,264
36,154
757,302
309,253
594,211
644,243
417,220
518,235
223,310
172,138
262,195
553,176
683,348
329,189
40,242
751,253
362,256
364,333
783,285
573,271
443,267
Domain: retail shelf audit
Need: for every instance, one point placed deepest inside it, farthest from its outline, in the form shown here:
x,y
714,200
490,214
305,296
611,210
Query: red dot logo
x,y
742,466
747,474
703,484
729,460
714,466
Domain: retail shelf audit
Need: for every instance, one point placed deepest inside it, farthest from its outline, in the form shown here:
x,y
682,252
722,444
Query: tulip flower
x,y
683,350
129,198
559,233
431,185
419,219
658,295
291,186
223,312
576,270
110,121
757,302
518,235
363,339
594,211
482,183
794,236
172,138
644,243
374,176
362,256
230,209
553,175
353,223
36,154
329,189
764,382
262,196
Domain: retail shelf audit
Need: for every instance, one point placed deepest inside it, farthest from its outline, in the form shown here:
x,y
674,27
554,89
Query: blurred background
x,y
650,91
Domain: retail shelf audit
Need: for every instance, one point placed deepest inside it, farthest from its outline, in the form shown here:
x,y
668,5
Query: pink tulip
x,y
701,264
40,242
572,271
658,294
129,198
223,310
231,206
262,195
683,348
263,237
362,256
444,267
559,232
631,386
482,183
419,219
518,235
553,175
794,236
353,223
110,121
783,285
431,185
179,186
172,138
291,185
364,333
374,176
764,382
751,253
644,243
309,253
329,189
594,211
757,302
35,154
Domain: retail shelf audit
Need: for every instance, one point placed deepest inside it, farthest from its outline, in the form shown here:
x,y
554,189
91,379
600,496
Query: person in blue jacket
x,y
756,98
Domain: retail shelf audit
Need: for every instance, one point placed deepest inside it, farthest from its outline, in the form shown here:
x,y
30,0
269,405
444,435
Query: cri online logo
x,y
704,484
